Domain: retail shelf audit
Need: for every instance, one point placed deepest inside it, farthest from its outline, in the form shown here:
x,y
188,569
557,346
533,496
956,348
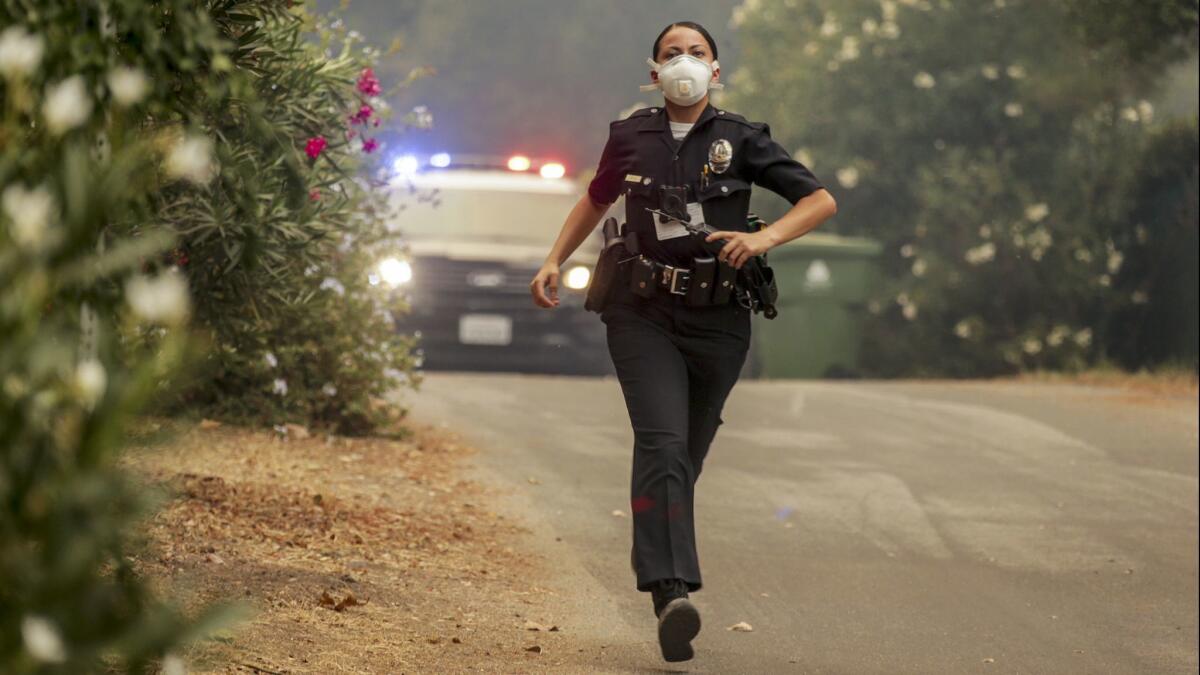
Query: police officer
x,y
677,360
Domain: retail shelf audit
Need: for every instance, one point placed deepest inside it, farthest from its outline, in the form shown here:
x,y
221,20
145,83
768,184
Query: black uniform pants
x,y
676,365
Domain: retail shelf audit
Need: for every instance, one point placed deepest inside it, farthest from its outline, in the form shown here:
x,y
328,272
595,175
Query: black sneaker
x,y
678,620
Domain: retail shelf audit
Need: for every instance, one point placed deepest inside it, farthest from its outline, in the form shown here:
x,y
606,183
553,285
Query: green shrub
x,y
77,81
986,144
279,248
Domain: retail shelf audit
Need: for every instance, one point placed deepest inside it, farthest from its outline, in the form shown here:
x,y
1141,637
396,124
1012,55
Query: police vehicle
x,y
477,229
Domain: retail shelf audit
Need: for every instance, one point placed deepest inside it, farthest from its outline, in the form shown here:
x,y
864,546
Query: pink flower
x,y
363,114
367,84
314,195
369,145
314,146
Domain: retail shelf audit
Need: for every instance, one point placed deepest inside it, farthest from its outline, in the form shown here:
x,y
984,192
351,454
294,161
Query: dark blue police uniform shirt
x,y
641,154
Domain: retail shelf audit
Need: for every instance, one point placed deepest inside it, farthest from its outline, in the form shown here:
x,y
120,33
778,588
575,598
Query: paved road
x,y
870,527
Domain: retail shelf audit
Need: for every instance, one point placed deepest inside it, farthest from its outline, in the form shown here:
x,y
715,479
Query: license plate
x,y
485,329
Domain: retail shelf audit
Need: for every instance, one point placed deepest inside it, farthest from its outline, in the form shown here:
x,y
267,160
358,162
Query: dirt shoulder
x,y
353,555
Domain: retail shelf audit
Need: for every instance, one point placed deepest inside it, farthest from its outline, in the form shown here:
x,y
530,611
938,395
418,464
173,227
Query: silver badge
x,y
720,154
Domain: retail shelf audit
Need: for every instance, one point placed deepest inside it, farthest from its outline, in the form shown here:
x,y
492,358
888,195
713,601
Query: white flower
x,y
1104,280
160,299
909,311
42,640
1083,337
1036,212
924,80
67,105
1083,255
269,357
889,29
810,49
1057,335
902,299
985,231
280,386
329,390
20,52
980,254
91,379
918,267
907,251
803,156
848,177
888,8
1015,71
422,118
849,51
830,25
1032,346
30,212
1115,260
963,329
1014,109
869,26
1139,298
331,283
1129,114
1146,110
191,159
128,85
172,664
990,71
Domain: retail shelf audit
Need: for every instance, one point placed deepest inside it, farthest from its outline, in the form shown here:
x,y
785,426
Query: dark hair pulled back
x,y
686,24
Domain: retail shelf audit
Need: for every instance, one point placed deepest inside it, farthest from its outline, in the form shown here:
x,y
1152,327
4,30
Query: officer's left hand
x,y
741,246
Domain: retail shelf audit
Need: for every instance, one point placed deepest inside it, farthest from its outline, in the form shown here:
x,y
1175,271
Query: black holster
x,y
605,275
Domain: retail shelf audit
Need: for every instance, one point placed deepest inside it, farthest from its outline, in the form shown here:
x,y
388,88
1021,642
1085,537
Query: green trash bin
x,y
824,281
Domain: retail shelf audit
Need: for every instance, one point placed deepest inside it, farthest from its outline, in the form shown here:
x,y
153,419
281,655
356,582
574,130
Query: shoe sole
x,y
678,624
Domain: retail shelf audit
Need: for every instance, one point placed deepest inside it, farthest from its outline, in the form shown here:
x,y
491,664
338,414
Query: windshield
x,y
482,206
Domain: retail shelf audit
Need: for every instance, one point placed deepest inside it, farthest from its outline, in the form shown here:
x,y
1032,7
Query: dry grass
x,y
1164,383
354,555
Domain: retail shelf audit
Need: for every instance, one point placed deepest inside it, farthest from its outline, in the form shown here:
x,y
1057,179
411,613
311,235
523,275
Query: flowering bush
x,y
279,249
990,148
78,176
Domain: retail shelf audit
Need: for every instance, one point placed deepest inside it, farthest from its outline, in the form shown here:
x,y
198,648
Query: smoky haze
x,y
541,77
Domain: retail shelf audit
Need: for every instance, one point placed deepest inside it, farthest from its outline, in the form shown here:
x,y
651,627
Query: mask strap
x,y
655,85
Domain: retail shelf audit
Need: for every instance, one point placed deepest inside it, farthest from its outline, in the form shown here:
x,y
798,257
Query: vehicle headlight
x,y
578,277
395,272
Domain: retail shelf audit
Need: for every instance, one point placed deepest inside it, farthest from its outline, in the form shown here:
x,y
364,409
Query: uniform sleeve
x,y
610,173
774,168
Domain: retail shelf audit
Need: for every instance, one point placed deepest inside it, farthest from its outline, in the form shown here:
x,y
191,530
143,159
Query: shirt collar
x,y
658,121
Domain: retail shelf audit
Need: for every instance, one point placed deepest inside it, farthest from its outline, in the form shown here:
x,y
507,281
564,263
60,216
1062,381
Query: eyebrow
x,y
692,46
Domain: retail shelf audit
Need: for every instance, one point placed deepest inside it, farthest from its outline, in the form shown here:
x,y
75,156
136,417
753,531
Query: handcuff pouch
x,y
723,285
700,283
641,277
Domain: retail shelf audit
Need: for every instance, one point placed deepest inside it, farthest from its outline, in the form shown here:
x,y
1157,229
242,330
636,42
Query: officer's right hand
x,y
547,276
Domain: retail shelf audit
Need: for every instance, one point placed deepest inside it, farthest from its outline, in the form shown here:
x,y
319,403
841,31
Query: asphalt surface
x,y
868,527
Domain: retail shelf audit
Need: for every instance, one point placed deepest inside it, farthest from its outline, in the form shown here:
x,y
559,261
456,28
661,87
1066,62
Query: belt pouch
x,y
700,283
723,286
641,277
631,240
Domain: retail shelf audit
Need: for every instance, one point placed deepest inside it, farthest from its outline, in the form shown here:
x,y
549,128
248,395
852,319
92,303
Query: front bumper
x,y
462,326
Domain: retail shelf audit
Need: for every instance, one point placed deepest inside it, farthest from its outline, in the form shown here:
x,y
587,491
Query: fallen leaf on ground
x,y
536,649
741,626
533,481
214,558
618,513
989,660
209,424
296,431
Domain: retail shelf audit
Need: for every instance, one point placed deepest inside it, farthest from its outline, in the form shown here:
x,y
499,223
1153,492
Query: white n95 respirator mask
x,y
684,80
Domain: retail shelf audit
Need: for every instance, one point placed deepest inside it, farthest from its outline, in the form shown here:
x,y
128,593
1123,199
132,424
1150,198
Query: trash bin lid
x,y
826,244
